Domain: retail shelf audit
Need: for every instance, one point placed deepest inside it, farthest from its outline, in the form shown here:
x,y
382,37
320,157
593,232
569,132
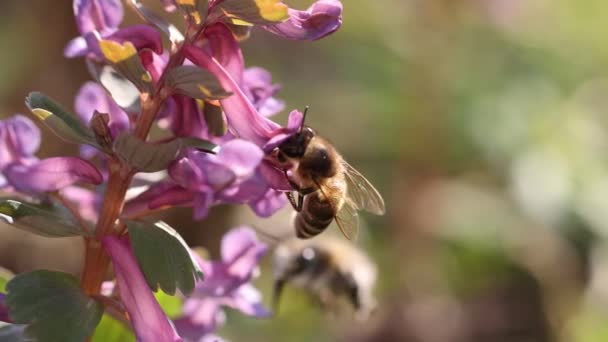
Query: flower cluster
x,y
214,113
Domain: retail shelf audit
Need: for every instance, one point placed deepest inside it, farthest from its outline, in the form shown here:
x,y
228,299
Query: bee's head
x,y
296,145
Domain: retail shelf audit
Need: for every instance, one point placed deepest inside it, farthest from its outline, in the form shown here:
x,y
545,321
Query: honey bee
x,y
329,269
327,186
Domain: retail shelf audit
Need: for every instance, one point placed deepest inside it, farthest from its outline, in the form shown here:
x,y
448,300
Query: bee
x,y
328,188
327,268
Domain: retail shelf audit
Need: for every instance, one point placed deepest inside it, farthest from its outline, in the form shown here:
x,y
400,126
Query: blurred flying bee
x,y
329,269
327,186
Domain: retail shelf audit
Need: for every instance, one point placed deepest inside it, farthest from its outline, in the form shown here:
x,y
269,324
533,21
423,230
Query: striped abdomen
x,y
317,213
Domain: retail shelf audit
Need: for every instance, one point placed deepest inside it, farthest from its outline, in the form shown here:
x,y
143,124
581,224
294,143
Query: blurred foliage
x,y
482,122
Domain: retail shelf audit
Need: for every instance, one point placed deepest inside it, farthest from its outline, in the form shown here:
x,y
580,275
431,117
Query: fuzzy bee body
x,y
328,187
329,269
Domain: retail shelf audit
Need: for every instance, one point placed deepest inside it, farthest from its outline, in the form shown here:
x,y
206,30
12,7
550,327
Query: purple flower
x,y
98,15
229,177
147,318
257,85
255,82
243,118
226,283
19,140
182,115
20,169
51,174
324,17
99,19
236,175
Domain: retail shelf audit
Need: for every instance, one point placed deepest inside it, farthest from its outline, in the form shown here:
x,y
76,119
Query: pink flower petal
x,y
242,116
147,318
52,174
324,17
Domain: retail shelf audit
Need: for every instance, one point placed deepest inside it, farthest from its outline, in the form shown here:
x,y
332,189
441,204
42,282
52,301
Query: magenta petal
x,y
248,300
52,174
185,118
319,20
242,251
293,124
242,116
173,196
141,36
275,178
271,202
225,49
202,203
241,156
158,195
19,138
154,63
257,84
96,15
236,241
186,173
200,317
147,318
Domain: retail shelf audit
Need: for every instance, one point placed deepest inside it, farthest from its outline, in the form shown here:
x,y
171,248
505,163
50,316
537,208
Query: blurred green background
x,y
484,123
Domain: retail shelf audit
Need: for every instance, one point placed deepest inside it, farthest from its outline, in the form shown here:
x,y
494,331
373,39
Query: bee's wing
x,y
347,220
361,192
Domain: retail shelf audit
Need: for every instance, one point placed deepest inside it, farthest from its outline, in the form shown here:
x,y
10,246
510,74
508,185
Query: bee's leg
x,y
300,201
293,201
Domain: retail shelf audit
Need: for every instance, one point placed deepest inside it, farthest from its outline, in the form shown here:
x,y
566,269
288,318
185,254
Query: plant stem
x,y
96,261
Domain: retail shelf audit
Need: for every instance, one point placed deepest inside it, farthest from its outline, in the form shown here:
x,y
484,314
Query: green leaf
x,y
110,329
5,276
243,12
53,306
150,157
194,10
199,144
63,123
145,156
125,60
164,257
171,305
192,81
38,219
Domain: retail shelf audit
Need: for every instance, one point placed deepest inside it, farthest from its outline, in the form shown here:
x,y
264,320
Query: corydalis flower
x,y
19,140
258,86
22,171
99,20
226,283
147,318
321,19
235,175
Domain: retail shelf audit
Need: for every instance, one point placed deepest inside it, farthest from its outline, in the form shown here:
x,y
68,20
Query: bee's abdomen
x,y
314,218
